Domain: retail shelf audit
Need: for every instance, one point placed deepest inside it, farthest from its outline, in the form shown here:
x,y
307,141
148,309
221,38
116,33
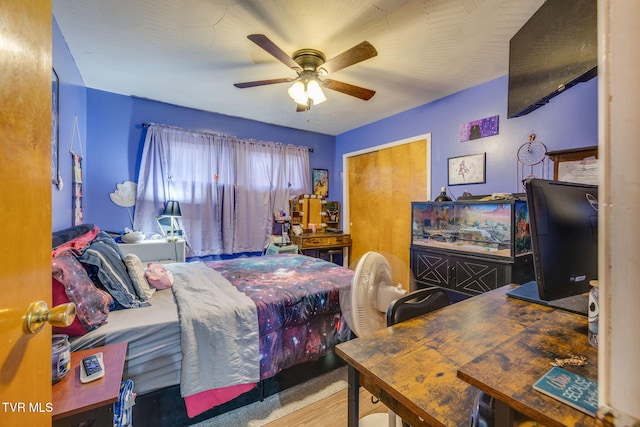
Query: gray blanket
x,y
219,330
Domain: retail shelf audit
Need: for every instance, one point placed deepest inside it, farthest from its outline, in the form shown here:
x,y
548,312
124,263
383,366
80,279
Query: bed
x,y
283,310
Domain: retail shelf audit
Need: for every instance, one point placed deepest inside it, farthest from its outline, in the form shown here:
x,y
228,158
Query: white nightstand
x,y
160,251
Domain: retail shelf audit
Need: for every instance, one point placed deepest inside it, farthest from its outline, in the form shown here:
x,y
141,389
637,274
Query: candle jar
x,y
60,357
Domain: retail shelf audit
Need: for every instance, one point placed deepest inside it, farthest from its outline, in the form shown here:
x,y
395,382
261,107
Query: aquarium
x,y
493,227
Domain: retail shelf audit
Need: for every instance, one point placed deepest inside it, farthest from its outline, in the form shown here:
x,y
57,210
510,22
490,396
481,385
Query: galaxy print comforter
x,y
298,305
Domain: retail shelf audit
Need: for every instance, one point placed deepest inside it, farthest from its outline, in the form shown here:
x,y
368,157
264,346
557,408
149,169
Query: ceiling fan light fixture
x,y
298,92
315,92
306,91
312,67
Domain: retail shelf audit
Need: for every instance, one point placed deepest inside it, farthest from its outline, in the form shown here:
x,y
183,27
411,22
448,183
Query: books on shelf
x,y
575,390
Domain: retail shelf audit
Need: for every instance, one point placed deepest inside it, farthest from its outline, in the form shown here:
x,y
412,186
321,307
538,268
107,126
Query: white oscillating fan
x,y
365,308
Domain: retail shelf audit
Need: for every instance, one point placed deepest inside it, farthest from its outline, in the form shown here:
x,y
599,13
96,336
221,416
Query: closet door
x,y
381,186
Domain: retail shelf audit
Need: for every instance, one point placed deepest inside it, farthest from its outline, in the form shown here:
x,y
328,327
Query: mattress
x,y
154,354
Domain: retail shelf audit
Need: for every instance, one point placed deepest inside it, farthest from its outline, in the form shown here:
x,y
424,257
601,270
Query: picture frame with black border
x,y
468,169
55,128
164,225
320,181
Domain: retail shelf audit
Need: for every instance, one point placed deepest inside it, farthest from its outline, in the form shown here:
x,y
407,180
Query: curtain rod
x,y
146,125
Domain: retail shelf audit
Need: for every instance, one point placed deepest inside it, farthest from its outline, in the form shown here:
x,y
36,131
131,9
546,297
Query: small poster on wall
x,y
320,179
479,128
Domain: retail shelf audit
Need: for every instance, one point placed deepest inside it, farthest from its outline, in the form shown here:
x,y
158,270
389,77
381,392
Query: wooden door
x,y
25,213
381,186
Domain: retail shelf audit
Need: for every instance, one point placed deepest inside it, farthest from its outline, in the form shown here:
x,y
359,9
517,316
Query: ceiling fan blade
x,y
262,83
349,89
358,53
264,42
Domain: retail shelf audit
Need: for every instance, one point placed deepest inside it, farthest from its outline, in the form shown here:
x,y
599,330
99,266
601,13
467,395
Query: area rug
x,y
284,403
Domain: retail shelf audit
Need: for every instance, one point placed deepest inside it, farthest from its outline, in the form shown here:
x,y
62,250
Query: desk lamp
x,y
172,210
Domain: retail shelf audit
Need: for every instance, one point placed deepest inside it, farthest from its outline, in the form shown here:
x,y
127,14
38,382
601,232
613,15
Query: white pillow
x,y
136,272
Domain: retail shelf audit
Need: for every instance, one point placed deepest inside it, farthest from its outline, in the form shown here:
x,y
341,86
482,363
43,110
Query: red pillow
x,y
60,297
92,304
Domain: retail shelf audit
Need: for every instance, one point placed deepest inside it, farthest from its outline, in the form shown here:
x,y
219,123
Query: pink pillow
x,y
92,304
158,276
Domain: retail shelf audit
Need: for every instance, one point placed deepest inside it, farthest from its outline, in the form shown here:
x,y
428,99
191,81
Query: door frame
x,y
346,223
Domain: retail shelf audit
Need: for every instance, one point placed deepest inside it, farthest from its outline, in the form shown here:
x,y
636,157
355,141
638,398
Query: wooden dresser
x,y
314,243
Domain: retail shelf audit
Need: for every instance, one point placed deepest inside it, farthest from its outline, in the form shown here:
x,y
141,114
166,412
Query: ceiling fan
x,y
311,66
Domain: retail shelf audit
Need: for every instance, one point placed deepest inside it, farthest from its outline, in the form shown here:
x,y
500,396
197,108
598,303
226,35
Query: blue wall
x,y
73,102
570,120
116,137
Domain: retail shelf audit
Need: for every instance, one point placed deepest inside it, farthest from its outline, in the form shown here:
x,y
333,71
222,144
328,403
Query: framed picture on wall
x,y
468,169
55,171
320,180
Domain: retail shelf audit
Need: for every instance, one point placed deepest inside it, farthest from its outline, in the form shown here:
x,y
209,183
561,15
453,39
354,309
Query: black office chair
x,y
482,414
415,304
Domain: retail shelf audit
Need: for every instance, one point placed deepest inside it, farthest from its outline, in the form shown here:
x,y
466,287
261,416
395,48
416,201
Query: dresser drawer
x,y
320,241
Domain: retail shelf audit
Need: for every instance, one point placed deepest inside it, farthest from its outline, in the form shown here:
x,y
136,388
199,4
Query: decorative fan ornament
x,y
531,152
125,196
530,155
311,65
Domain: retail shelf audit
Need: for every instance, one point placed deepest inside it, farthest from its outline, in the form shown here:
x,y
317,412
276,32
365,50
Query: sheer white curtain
x,y
227,187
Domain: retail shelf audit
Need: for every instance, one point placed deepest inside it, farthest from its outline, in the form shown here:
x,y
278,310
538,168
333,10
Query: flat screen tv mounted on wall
x,y
554,50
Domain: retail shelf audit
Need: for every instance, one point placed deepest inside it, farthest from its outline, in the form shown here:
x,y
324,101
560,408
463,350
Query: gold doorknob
x,y
39,313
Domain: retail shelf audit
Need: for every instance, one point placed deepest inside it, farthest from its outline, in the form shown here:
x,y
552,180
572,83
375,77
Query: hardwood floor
x,y
332,412
328,412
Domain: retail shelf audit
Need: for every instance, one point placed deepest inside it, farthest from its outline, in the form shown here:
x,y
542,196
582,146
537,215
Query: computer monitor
x,y
563,220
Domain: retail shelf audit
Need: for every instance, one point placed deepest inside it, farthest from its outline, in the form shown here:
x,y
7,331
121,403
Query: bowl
x,y
133,237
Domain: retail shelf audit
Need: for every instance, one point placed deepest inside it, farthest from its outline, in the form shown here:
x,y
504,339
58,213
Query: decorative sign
x,y
575,390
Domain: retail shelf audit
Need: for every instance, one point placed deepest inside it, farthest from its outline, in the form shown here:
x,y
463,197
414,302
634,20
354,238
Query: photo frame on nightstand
x,y
164,225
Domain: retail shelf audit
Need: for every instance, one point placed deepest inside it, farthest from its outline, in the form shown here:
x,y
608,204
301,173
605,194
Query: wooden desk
x,y
413,366
321,241
74,402
508,371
